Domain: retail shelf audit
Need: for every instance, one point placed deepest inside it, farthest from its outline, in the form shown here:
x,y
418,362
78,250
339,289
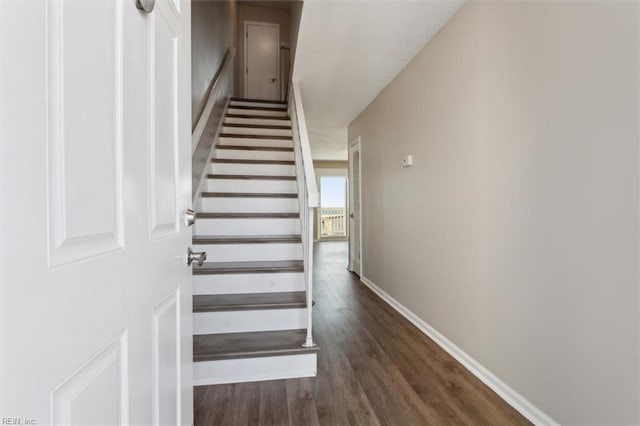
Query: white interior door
x,y
95,178
355,228
262,60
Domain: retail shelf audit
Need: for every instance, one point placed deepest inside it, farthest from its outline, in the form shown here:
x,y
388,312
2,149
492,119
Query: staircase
x,y
250,303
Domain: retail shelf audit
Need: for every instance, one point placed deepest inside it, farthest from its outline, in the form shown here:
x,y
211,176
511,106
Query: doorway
x,y
262,60
355,222
332,213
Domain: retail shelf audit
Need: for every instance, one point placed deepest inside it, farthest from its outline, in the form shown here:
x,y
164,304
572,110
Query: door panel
x,y
95,176
85,179
163,129
166,361
262,60
80,399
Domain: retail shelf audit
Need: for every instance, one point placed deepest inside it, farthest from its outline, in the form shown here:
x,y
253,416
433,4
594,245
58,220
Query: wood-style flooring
x,y
374,368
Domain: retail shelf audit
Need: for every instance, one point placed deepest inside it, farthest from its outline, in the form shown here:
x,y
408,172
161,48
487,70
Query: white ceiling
x,y
349,50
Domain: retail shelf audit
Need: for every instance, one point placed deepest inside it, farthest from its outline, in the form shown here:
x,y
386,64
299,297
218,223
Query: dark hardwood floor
x,y
374,368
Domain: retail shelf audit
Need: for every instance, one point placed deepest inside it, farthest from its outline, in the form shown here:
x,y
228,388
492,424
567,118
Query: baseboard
x,y
513,398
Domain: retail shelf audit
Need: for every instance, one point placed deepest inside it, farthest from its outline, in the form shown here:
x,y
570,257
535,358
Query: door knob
x,y
145,5
273,80
198,257
189,217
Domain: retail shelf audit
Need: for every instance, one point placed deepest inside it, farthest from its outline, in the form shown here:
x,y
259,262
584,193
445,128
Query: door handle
x,y
189,217
351,215
273,80
145,5
198,257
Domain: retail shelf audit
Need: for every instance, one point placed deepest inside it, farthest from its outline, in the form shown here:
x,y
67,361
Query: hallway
x,y
374,367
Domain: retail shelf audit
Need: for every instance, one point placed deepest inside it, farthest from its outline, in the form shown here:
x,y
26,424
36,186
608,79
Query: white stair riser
x,y
251,252
236,154
258,104
256,131
248,283
265,113
245,321
254,369
280,143
250,205
259,226
250,185
267,121
253,169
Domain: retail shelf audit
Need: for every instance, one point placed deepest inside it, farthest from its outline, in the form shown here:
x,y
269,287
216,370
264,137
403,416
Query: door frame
x,y
355,145
246,54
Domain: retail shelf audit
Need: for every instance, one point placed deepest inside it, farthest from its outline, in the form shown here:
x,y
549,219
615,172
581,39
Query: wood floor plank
x,y
374,367
363,349
465,394
248,239
273,403
249,301
212,404
300,403
244,407
263,101
254,344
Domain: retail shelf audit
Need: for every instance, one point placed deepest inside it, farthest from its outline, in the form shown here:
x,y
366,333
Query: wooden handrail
x,y
211,99
207,128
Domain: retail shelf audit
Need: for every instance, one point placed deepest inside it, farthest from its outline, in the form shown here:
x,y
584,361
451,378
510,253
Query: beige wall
x,y
275,15
322,164
213,32
515,233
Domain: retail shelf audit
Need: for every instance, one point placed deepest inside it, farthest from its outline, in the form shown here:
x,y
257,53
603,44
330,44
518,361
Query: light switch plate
x,y
407,160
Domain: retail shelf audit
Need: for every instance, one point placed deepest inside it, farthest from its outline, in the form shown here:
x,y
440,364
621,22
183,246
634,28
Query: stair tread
x,y
249,215
249,267
259,108
243,161
247,239
250,301
264,101
250,177
243,136
259,126
253,148
250,194
210,347
259,117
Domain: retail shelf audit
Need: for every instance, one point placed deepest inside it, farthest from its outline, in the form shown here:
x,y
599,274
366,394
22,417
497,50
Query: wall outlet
x,y
407,161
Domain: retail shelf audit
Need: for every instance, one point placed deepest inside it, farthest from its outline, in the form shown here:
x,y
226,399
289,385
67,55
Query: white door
x,y
355,228
95,177
262,60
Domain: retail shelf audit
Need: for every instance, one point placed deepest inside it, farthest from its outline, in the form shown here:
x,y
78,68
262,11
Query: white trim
x,y
356,142
246,55
504,391
638,236
313,197
242,370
